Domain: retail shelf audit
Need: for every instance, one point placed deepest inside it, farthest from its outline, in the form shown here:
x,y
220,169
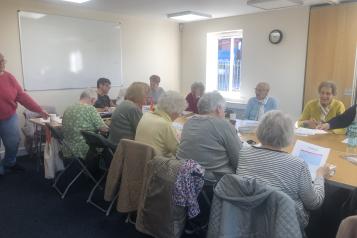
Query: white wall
x,y
282,65
148,47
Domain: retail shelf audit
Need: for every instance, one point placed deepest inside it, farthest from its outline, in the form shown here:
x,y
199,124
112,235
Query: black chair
x,y
104,151
69,162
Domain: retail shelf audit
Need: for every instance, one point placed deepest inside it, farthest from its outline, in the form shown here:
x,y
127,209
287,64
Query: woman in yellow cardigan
x,y
321,110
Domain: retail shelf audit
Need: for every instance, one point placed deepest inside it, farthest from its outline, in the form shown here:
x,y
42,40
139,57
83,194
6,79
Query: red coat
x,y
192,101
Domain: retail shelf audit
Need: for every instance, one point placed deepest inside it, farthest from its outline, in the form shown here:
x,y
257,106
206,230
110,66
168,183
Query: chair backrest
x,y
95,140
348,228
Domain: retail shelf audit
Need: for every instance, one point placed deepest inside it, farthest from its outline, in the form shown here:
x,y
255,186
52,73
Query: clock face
x,y
275,36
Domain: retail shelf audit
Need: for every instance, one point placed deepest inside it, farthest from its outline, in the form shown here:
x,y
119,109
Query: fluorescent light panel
x,y
76,1
188,16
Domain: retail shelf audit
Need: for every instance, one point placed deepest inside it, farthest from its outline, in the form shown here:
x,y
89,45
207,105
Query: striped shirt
x,y
285,172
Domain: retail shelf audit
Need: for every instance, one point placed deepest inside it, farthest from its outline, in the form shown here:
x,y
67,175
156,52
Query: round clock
x,y
275,36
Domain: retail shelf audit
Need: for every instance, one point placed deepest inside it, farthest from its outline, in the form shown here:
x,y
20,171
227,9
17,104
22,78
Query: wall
x,y
282,65
148,46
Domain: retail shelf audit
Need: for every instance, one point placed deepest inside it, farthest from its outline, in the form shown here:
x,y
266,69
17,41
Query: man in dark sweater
x,y
103,102
340,121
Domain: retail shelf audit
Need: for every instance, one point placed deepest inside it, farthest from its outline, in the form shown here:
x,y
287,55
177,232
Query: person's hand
x,y
323,126
323,171
44,115
312,124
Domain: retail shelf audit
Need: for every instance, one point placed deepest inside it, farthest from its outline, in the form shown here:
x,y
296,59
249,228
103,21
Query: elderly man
x,y
155,90
261,103
269,164
155,127
209,139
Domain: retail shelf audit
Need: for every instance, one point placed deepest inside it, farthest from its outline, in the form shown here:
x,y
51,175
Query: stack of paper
x,y
308,132
246,126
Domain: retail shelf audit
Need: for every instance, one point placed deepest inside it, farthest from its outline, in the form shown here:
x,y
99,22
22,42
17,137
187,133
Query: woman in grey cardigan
x,y
270,165
128,113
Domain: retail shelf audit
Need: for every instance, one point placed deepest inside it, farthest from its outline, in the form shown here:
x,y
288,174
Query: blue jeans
x,y
10,136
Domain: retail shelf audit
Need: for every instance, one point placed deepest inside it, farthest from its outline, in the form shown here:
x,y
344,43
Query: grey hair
x,y
276,129
263,85
88,93
328,84
171,102
198,85
209,102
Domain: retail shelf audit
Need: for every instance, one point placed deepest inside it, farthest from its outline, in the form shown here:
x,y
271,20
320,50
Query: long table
x,y
346,172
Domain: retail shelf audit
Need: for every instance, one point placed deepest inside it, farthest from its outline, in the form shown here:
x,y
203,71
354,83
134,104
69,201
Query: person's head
x,y
172,103
327,90
197,89
137,93
276,129
88,96
211,103
2,63
262,90
154,82
103,86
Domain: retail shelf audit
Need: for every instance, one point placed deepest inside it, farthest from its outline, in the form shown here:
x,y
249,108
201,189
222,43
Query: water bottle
x,y
352,135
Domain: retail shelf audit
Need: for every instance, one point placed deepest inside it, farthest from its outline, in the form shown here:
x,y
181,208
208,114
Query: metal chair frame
x,y
73,160
98,141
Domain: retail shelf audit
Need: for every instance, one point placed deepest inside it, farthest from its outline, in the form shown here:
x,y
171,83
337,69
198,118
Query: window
x,y
224,58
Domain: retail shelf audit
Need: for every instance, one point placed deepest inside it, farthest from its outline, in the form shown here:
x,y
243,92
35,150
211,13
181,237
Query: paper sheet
x,y
246,126
315,156
308,132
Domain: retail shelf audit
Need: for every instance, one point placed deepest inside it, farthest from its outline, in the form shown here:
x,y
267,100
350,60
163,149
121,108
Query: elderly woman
x,y
261,103
155,91
127,114
155,128
321,110
81,116
197,90
269,164
11,94
209,139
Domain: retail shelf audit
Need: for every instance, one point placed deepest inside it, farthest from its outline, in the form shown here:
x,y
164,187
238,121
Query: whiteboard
x,y
61,52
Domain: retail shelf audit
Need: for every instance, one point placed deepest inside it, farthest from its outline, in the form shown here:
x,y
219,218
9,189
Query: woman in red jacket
x,y
11,94
197,90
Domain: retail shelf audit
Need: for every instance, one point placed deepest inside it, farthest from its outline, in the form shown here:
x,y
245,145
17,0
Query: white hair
x,y
276,129
209,102
88,93
171,102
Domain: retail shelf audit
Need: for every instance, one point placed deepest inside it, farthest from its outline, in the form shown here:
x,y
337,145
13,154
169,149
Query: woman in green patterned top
x,y
81,116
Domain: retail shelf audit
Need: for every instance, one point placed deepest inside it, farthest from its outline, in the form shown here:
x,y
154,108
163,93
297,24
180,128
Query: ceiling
x,y
159,8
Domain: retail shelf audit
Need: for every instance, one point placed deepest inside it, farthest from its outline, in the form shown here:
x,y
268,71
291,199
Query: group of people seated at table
x,y
211,140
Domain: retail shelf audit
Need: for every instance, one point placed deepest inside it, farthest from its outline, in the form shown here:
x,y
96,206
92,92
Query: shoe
x,y
16,168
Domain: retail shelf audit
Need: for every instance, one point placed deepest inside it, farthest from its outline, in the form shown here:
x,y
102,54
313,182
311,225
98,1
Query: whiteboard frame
x,y
73,17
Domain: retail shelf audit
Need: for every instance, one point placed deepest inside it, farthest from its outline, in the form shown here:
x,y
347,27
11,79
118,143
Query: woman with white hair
x,y
155,128
270,165
209,139
81,116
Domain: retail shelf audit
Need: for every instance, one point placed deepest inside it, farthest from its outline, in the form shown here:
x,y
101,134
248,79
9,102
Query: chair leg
x,y
70,184
58,177
86,171
112,204
89,200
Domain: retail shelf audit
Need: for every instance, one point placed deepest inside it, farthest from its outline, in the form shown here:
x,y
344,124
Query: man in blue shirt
x,y
261,103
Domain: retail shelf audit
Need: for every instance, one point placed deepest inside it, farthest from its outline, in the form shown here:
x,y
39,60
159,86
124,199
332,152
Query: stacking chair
x,y
71,162
98,142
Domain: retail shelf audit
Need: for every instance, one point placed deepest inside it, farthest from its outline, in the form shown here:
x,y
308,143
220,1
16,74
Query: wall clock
x,y
275,36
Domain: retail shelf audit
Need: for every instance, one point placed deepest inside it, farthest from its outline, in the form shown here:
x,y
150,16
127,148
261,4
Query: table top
x,y
346,172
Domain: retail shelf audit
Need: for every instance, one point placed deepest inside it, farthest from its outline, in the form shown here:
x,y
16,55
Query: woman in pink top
x,y
11,94
197,90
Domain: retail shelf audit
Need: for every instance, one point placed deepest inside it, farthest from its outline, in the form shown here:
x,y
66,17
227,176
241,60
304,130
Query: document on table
x,y
315,156
301,131
246,126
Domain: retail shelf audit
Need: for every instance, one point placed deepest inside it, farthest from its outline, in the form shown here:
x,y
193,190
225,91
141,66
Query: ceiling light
x,y
32,15
76,1
188,16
